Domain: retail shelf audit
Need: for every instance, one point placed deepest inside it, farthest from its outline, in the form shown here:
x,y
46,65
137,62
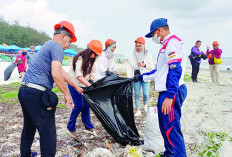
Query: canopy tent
x,y
12,47
2,47
27,48
70,52
37,48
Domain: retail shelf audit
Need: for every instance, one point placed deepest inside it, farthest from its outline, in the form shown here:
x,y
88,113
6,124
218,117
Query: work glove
x,y
137,78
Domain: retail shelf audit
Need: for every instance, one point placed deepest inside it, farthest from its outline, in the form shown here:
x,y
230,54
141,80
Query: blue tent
x,y
70,52
12,47
27,48
2,47
37,48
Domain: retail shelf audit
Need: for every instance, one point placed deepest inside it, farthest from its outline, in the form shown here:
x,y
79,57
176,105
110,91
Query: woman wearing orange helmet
x,y
82,73
214,67
106,61
140,62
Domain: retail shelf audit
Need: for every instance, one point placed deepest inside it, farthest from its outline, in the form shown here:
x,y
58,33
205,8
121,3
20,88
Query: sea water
x,y
226,64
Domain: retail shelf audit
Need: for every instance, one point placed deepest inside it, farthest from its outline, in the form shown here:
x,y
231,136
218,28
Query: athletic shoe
x,y
145,108
138,113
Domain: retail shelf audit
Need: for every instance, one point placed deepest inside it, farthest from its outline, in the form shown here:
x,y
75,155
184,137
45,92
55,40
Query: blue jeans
x,y
170,126
82,106
137,89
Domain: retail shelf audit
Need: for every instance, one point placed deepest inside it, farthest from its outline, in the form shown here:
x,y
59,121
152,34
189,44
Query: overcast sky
x,y
125,20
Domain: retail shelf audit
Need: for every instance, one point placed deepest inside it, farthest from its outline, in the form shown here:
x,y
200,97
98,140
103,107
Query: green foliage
x,y
154,104
15,84
56,90
230,139
153,93
76,48
14,34
14,102
1,90
62,106
66,57
187,78
11,94
211,146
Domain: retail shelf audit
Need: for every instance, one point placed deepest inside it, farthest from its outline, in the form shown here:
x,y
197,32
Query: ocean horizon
x,y
227,63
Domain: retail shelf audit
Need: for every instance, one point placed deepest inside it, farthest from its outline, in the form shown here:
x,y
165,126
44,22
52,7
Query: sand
x,y
208,107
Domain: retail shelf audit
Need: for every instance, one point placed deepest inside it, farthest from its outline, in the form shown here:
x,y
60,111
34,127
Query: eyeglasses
x,y
215,45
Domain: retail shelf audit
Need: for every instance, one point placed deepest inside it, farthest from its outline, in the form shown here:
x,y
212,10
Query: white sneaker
x,y
90,132
138,113
145,108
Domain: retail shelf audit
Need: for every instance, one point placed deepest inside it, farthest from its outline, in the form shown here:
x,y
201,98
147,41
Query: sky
x,y
126,20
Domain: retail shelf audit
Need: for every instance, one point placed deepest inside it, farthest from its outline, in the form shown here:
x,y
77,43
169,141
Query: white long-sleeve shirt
x,y
104,64
148,60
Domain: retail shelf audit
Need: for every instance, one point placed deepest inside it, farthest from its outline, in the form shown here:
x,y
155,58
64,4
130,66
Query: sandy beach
x,y
207,108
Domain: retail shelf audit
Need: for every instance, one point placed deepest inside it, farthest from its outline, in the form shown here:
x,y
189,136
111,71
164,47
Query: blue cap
x,y
157,23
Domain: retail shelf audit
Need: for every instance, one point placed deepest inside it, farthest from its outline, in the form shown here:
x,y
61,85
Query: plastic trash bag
x,y
153,139
8,71
110,99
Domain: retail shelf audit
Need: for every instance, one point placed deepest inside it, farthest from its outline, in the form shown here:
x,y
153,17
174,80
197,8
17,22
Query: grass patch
x,y
14,102
15,84
154,103
62,106
1,90
11,94
4,100
187,78
56,90
212,143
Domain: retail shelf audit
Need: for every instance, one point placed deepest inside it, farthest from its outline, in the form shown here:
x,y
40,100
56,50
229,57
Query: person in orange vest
x,y
37,100
214,68
140,62
106,62
82,73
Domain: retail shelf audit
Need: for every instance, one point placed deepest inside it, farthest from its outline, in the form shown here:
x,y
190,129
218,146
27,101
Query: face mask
x,y
24,53
156,39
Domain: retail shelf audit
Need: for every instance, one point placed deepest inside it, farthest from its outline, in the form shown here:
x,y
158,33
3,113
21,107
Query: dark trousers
x,y
170,126
82,106
36,117
195,70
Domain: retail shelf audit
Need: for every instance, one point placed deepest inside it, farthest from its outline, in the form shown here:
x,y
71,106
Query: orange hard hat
x,y
215,43
140,40
95,46
209,55
109,41
69,27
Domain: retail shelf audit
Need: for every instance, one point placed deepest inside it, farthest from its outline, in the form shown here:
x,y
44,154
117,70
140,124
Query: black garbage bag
x,y
110,99
8,71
